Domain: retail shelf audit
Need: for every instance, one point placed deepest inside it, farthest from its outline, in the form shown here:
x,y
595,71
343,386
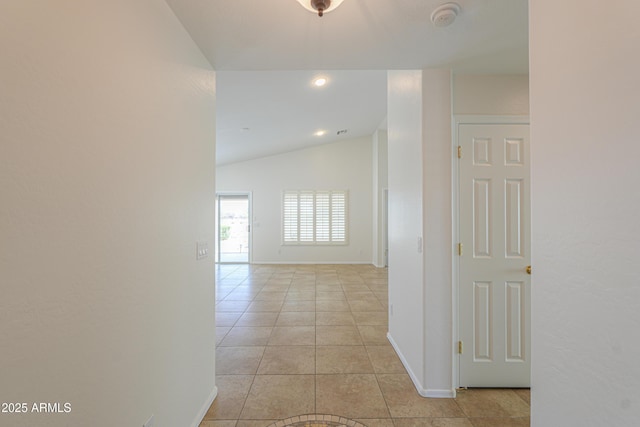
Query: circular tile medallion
x,y
317,420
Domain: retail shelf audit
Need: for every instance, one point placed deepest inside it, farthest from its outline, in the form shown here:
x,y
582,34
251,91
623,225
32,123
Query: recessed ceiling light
x,y
320,133
320,81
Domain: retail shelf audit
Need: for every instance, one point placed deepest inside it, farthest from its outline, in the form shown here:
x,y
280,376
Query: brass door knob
x,y
528,269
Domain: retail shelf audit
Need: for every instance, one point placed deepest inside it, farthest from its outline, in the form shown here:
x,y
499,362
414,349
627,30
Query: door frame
x,y
250,222
457,121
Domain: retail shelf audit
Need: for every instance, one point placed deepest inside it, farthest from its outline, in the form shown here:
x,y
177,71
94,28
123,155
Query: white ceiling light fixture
x,y
445,14
320,81
320,6
320,133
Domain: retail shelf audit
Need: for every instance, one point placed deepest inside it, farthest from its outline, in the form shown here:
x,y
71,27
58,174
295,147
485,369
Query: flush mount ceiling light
x,y
320,81
444,15
320,6
320,133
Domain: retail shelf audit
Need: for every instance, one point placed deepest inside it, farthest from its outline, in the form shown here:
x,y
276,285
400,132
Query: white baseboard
x,y
205,407
439,394
424,392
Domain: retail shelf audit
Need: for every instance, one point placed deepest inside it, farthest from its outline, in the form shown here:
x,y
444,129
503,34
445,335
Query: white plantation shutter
x,y
322,217
338,216
306,216
315,217
290,215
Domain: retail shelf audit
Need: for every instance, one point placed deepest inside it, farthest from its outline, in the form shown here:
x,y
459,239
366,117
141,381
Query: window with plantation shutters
x,y
314,217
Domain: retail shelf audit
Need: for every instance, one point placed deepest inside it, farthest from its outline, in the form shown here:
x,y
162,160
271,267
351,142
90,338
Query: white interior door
x,y
494,287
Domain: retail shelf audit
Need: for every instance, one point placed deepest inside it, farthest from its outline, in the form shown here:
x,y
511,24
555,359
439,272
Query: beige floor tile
x,y
330,296
270,295
342,360
276,287
405,402
293,335
265,306
501,422
334,318
300,284
337,335
255,423
481,403
233,306
328,305
214,423
373,318
351,396
329,287
300,295
385,360
525,394
243,295
352,291
257,319
221,332
378,287
433,422
221,295
375,422
278,283
360,295
246,335
350,280
303,286
227,318
238,360
296,318
288,360
366,305
232,392
382,295
299,306
279,397
373,335
261,310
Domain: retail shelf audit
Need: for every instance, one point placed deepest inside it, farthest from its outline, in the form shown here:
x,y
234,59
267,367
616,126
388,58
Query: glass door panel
x,y
232,228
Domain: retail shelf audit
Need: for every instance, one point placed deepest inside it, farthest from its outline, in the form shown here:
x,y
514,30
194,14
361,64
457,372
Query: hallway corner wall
x,y
107,172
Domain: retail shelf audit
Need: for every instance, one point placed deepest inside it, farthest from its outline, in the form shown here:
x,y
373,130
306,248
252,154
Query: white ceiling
x,y
266,53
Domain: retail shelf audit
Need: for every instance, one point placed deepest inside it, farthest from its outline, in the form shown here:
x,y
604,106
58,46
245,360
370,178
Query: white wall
x,y
344,165
106,182
437,151
380,185
419,128
586,205
406,288
491,94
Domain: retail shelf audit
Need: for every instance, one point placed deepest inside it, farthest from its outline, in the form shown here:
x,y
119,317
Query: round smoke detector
x,y
444,15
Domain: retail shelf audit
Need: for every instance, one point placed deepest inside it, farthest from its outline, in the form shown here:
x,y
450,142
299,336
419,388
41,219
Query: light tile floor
x,y
304,339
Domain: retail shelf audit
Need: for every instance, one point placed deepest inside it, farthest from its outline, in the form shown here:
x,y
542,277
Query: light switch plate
x,y
202,250
149,422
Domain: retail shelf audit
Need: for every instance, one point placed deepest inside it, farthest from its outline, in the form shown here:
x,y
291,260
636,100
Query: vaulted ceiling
x,y
267,52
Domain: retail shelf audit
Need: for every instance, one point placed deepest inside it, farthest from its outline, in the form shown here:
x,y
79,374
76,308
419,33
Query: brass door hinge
x,y
459,347
460,249
459,151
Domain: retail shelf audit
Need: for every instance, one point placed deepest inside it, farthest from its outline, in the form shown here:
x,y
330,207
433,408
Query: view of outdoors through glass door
x,y
232,217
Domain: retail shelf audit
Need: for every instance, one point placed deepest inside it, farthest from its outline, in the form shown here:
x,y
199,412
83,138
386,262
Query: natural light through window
x,y
314,217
